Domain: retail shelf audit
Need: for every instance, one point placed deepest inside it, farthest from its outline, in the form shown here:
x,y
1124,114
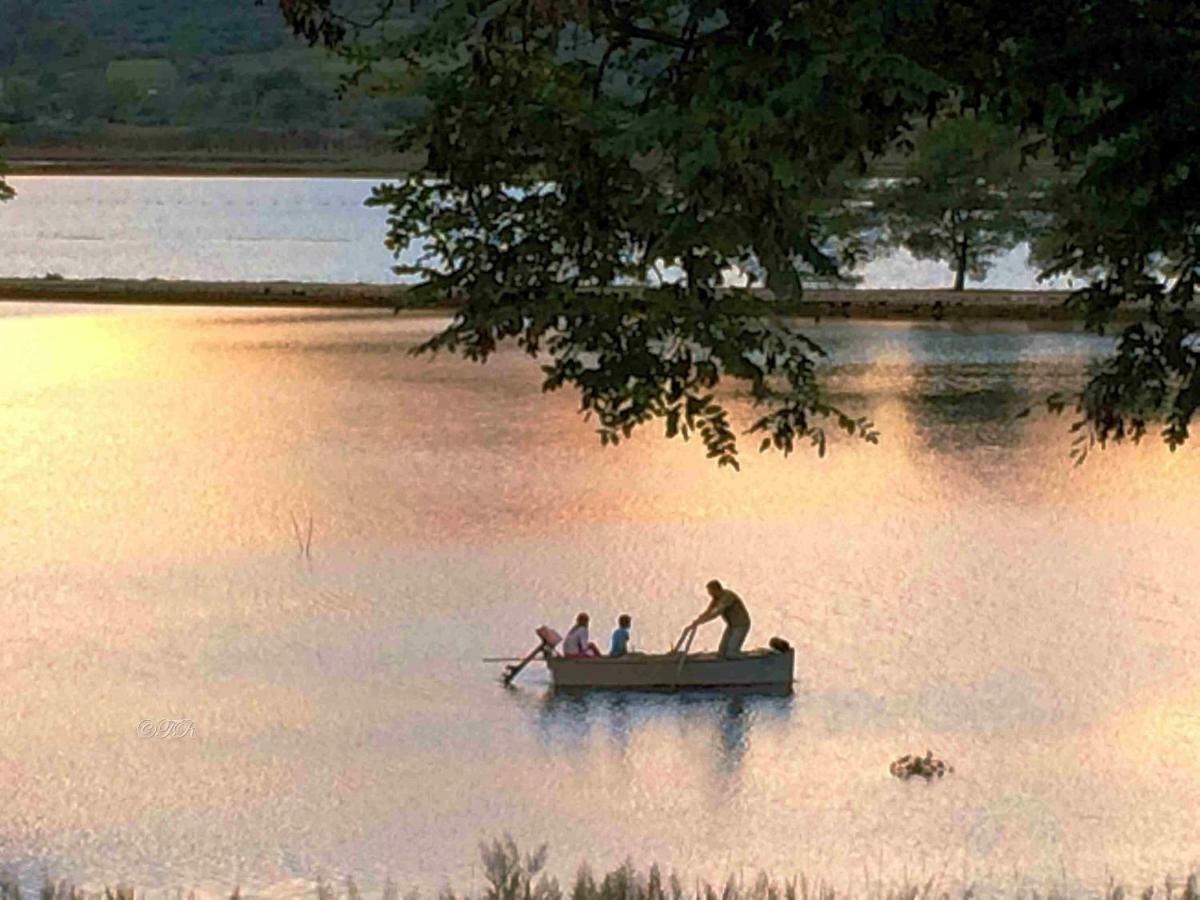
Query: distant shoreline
x,y
145,158
139,169
199,168
875,304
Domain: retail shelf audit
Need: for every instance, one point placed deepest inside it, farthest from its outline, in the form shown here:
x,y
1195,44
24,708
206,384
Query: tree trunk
x,y
960,264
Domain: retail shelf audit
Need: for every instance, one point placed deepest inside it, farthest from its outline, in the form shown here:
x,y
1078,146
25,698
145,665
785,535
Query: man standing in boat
x,y
729,606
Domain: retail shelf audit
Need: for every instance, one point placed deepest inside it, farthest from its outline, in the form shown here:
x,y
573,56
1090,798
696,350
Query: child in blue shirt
x,y
620,637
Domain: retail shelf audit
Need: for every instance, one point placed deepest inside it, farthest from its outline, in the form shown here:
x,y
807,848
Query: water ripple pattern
x,y
960,588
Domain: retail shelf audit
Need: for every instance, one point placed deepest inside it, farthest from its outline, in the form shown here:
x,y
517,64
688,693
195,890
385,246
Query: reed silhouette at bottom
x,y
512,875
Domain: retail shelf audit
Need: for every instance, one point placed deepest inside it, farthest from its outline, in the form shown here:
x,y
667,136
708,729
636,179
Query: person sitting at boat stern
x,y
576,642
620,637
729,606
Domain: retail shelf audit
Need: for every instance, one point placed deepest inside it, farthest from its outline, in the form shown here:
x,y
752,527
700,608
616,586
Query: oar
x,y
683,634
690,631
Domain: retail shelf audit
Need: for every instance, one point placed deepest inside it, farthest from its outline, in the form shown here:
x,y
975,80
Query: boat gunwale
x,y
778,674
659,658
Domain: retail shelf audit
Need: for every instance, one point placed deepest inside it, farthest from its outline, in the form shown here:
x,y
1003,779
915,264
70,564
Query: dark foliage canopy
x,y
578,147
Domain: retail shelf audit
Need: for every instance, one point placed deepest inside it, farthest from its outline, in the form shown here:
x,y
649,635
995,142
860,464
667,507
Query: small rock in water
x,y
925,766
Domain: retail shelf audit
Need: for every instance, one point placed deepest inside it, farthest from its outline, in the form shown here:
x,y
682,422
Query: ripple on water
x,y
960,587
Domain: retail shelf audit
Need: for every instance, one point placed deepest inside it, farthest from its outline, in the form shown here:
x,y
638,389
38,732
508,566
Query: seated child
x,y
620,637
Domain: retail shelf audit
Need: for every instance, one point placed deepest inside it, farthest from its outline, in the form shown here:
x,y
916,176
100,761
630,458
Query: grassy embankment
x,y
831,304
171,150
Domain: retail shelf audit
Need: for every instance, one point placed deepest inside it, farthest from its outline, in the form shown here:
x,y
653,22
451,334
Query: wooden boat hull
x,y
758,671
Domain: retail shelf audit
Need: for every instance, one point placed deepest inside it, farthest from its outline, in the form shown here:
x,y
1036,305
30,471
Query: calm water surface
x,y
252,229
959,588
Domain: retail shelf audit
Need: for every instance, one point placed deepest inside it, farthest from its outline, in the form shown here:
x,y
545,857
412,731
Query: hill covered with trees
x,y
86,79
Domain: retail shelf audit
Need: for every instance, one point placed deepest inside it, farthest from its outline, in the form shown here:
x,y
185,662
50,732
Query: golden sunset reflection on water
x,y
961,587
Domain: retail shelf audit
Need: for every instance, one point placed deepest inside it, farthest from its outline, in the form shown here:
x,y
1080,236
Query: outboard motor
x,y
548,638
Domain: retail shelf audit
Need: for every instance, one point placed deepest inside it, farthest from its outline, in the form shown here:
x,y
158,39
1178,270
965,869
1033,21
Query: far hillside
x,y
223,80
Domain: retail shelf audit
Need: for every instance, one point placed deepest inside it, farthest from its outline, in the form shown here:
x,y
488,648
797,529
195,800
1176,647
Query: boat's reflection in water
x,y
567,720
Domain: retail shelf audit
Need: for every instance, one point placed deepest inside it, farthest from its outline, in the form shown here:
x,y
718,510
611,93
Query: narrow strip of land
x,y
147,152
190,166
824,303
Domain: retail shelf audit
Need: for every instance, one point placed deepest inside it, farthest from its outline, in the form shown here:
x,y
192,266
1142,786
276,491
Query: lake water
x,y
959,588
253,229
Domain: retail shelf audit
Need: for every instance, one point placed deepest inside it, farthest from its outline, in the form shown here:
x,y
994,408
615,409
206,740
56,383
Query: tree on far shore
x,y
963,197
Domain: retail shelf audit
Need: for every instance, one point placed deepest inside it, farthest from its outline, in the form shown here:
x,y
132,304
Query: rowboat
x,y
766,670
758,671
